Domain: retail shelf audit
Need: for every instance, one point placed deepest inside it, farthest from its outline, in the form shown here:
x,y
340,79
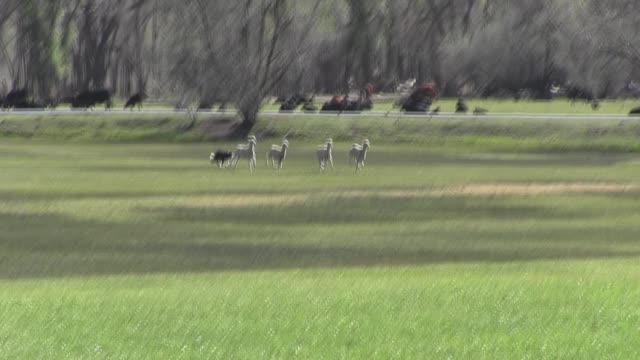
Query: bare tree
x,y
262,41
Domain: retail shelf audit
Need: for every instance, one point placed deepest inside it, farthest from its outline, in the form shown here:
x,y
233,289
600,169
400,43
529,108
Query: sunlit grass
x,y
147,251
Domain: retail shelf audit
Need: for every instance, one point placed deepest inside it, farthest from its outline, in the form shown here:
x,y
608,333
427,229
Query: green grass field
x,y
497,106
384,102
460,240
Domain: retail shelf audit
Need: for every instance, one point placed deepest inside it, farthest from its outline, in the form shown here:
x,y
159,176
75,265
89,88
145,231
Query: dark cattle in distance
x,y
293,102
16,99
577,93
343,103
135,100
205,105
28,104
335,104
420,99
461,107
635,111
89,99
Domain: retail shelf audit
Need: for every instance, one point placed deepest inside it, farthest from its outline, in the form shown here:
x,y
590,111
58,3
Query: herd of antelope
x,y
278,153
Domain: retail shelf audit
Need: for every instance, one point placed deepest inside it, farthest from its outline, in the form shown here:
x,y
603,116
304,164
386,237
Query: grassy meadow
x,y
384,102
482,238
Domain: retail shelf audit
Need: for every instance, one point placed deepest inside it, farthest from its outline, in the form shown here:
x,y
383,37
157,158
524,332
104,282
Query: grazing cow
x,y
461,106
336,103
575,93
220,157
89,99
205,105
18,98
30,104
293,102
343,103
135,100
420,99
364,98
635,111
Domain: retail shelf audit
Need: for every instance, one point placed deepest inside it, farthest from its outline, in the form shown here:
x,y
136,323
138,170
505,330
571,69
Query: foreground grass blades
x,y
148,251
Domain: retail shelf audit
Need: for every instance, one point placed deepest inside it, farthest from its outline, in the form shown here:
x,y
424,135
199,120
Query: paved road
x,y
393,114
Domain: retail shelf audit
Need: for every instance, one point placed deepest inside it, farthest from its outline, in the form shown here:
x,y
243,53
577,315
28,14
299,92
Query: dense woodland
x,y
242,51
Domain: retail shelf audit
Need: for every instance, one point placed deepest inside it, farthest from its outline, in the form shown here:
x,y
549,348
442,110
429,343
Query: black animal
x,y
89,99
635,111
205,105
365,102
461,106
343,103
29,104
220,157
420,99
135,100
18,98
351,105
575,93
335,104
293,102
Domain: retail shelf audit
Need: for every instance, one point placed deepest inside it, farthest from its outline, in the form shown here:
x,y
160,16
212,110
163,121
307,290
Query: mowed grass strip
x,y
471,134
147,251
500,106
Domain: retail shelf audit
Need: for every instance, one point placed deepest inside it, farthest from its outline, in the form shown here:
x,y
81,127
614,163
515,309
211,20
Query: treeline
x,y
243,51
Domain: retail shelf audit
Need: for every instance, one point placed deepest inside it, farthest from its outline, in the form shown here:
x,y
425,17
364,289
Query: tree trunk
x,y
248,109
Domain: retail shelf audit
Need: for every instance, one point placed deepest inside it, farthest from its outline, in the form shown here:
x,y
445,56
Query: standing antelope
x,y
325,154
277,154
359,154
247,151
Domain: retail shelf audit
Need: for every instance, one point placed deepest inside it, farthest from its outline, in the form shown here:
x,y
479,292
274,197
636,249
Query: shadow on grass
x,y
525,159
328,211
188,240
